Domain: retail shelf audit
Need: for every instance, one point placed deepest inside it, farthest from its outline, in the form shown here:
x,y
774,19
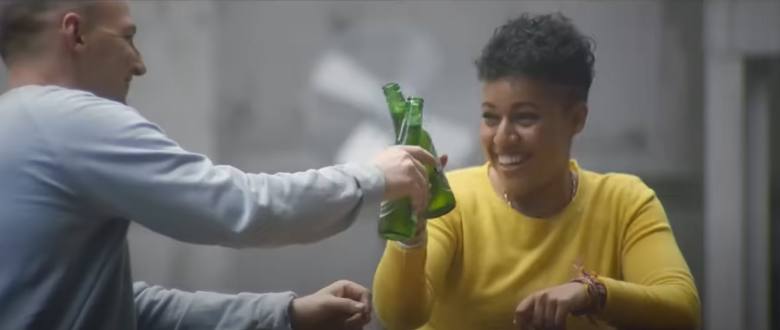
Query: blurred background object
x,y
686,94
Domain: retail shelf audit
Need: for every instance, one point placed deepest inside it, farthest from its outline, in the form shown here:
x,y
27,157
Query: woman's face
x,y
526,132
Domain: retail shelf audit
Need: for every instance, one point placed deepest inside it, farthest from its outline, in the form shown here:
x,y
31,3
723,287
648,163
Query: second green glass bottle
x,y
442,200
397,220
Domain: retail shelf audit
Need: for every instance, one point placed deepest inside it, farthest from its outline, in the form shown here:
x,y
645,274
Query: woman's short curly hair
x,y
545,47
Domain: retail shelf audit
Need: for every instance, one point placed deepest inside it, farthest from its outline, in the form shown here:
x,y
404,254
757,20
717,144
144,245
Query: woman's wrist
x,y
596,291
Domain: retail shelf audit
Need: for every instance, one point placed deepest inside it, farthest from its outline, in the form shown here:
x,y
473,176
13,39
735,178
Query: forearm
x,y
184,196
159,308
656,289
671,304
222,205
124,166
303,207
403,298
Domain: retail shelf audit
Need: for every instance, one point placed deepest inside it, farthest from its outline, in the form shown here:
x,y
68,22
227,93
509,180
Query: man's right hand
x,y
405,174
341,305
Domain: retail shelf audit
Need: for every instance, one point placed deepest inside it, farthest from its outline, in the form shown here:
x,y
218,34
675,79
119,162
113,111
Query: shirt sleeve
x,y
125,166
407,279
160,308
657,290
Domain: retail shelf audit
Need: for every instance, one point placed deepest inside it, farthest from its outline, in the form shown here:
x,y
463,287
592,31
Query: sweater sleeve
x,y
407,279
657,290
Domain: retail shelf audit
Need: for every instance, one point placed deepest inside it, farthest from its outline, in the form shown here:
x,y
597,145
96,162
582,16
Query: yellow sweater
x,y
484,257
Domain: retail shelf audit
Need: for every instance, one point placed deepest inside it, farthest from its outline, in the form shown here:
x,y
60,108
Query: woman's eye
x,y
525,119
490,120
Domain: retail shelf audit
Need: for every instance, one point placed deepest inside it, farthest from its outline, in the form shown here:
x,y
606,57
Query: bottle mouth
x,y
391,87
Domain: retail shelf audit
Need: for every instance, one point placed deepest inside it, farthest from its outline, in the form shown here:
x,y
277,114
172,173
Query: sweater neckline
x,y
570,209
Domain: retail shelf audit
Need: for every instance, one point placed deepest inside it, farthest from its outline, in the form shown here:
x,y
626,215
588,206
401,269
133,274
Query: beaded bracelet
x,y
597,292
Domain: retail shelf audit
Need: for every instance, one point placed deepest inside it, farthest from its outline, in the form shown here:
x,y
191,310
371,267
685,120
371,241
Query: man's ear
x,y
72,29
579,116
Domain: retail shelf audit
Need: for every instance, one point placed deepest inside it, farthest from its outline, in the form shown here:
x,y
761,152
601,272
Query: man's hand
x,y
548,309
341,305
405,175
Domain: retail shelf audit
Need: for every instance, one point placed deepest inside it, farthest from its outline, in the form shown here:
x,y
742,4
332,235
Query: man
x,y
77,164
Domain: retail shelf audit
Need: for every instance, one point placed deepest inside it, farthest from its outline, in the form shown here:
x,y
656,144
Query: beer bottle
x,y
442,200
397,220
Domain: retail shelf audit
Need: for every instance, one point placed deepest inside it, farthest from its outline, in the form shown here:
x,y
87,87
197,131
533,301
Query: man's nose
x,y
140,68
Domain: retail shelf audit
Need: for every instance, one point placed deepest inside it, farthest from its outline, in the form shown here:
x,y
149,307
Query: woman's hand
x,y
548,308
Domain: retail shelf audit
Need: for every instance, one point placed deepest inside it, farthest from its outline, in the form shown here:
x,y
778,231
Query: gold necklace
x,y
574,181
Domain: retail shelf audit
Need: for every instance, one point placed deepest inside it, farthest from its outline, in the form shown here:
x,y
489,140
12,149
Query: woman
x,y
536,242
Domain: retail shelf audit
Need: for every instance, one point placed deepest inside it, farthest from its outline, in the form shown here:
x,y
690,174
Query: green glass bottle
x,y
442,200
397,220
396,104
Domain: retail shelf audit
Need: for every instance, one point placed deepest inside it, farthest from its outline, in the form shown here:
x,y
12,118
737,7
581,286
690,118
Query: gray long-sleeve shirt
x,y
75,169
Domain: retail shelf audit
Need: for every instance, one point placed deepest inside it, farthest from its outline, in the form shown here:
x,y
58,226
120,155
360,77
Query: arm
x,y
407,278
657,290
158,308
125,166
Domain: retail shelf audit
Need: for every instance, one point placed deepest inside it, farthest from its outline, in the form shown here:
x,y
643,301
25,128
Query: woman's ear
x,y
579,116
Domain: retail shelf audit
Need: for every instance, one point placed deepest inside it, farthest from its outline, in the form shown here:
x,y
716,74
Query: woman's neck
x,y
545,201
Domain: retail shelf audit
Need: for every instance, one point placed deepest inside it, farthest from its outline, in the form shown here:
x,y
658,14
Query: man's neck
x,y
32,72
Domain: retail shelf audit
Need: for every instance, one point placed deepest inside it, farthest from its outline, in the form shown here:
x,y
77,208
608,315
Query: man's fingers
x,y
344,306
422,224
351,290
422,156
419,193
366,299
357,321
443,159
359,293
